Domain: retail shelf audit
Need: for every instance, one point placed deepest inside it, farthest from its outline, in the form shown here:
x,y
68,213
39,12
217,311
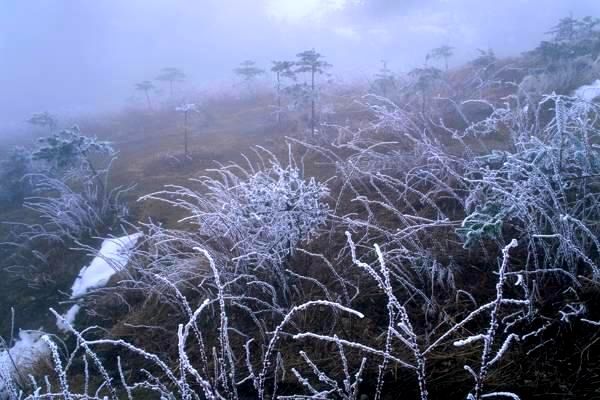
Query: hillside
x,y
431,235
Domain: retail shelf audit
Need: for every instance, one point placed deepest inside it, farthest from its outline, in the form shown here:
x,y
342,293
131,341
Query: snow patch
x,y
589,92
23,355
69,316
113,256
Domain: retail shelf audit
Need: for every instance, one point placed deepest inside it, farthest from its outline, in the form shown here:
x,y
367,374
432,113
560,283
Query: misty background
x,y
71,57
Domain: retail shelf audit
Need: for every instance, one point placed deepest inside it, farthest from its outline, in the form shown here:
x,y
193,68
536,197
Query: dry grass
x,y
150,145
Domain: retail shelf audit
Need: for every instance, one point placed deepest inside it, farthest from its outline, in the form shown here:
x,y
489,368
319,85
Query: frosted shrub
x,y
73,197
68,213
262,214
567,75
405,346
484,223
543,184
14,184
71,150
214,373
220,373
76,209
419,199
545,188
450,187
167,253
63,156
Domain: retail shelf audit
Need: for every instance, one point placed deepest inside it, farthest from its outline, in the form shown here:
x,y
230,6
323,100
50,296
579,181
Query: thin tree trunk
x,y
185,133
312,99
148,100
101,186
278,99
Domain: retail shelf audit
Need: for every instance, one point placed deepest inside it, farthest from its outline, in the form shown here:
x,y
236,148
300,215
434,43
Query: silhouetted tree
x,y
311,62
146,87
424,80
384,80
171,75
565,30
571,38
45,120
282,69
484,59
441,53
248,71
587,28
186,109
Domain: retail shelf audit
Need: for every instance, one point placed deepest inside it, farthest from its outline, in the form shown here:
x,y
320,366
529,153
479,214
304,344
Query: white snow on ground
x,y
69,316
589,92
112,257
23,354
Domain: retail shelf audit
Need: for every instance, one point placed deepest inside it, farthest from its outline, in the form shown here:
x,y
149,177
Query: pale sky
x,y
297,10
76,56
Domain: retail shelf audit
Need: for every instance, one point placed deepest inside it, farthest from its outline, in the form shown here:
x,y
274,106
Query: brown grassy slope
x,y
151,153
150,142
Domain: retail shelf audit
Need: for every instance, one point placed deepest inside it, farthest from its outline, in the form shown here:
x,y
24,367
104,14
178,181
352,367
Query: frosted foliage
x,y
545,187
262,214
73,197
190,377
19,359
542,183
75,213
69,149
428,283
276,207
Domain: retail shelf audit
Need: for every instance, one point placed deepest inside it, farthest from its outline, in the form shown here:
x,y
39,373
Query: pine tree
x,y
44,119
565,30
282,69
485,58
249,72
146,87
311,62
570,38
384,80
171,75
424,79
441,53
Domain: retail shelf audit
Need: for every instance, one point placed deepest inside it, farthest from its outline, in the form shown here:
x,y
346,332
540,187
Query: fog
x,y
299,199
70,56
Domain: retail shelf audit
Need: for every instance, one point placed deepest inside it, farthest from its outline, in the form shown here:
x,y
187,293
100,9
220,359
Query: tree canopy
x,y
248,70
